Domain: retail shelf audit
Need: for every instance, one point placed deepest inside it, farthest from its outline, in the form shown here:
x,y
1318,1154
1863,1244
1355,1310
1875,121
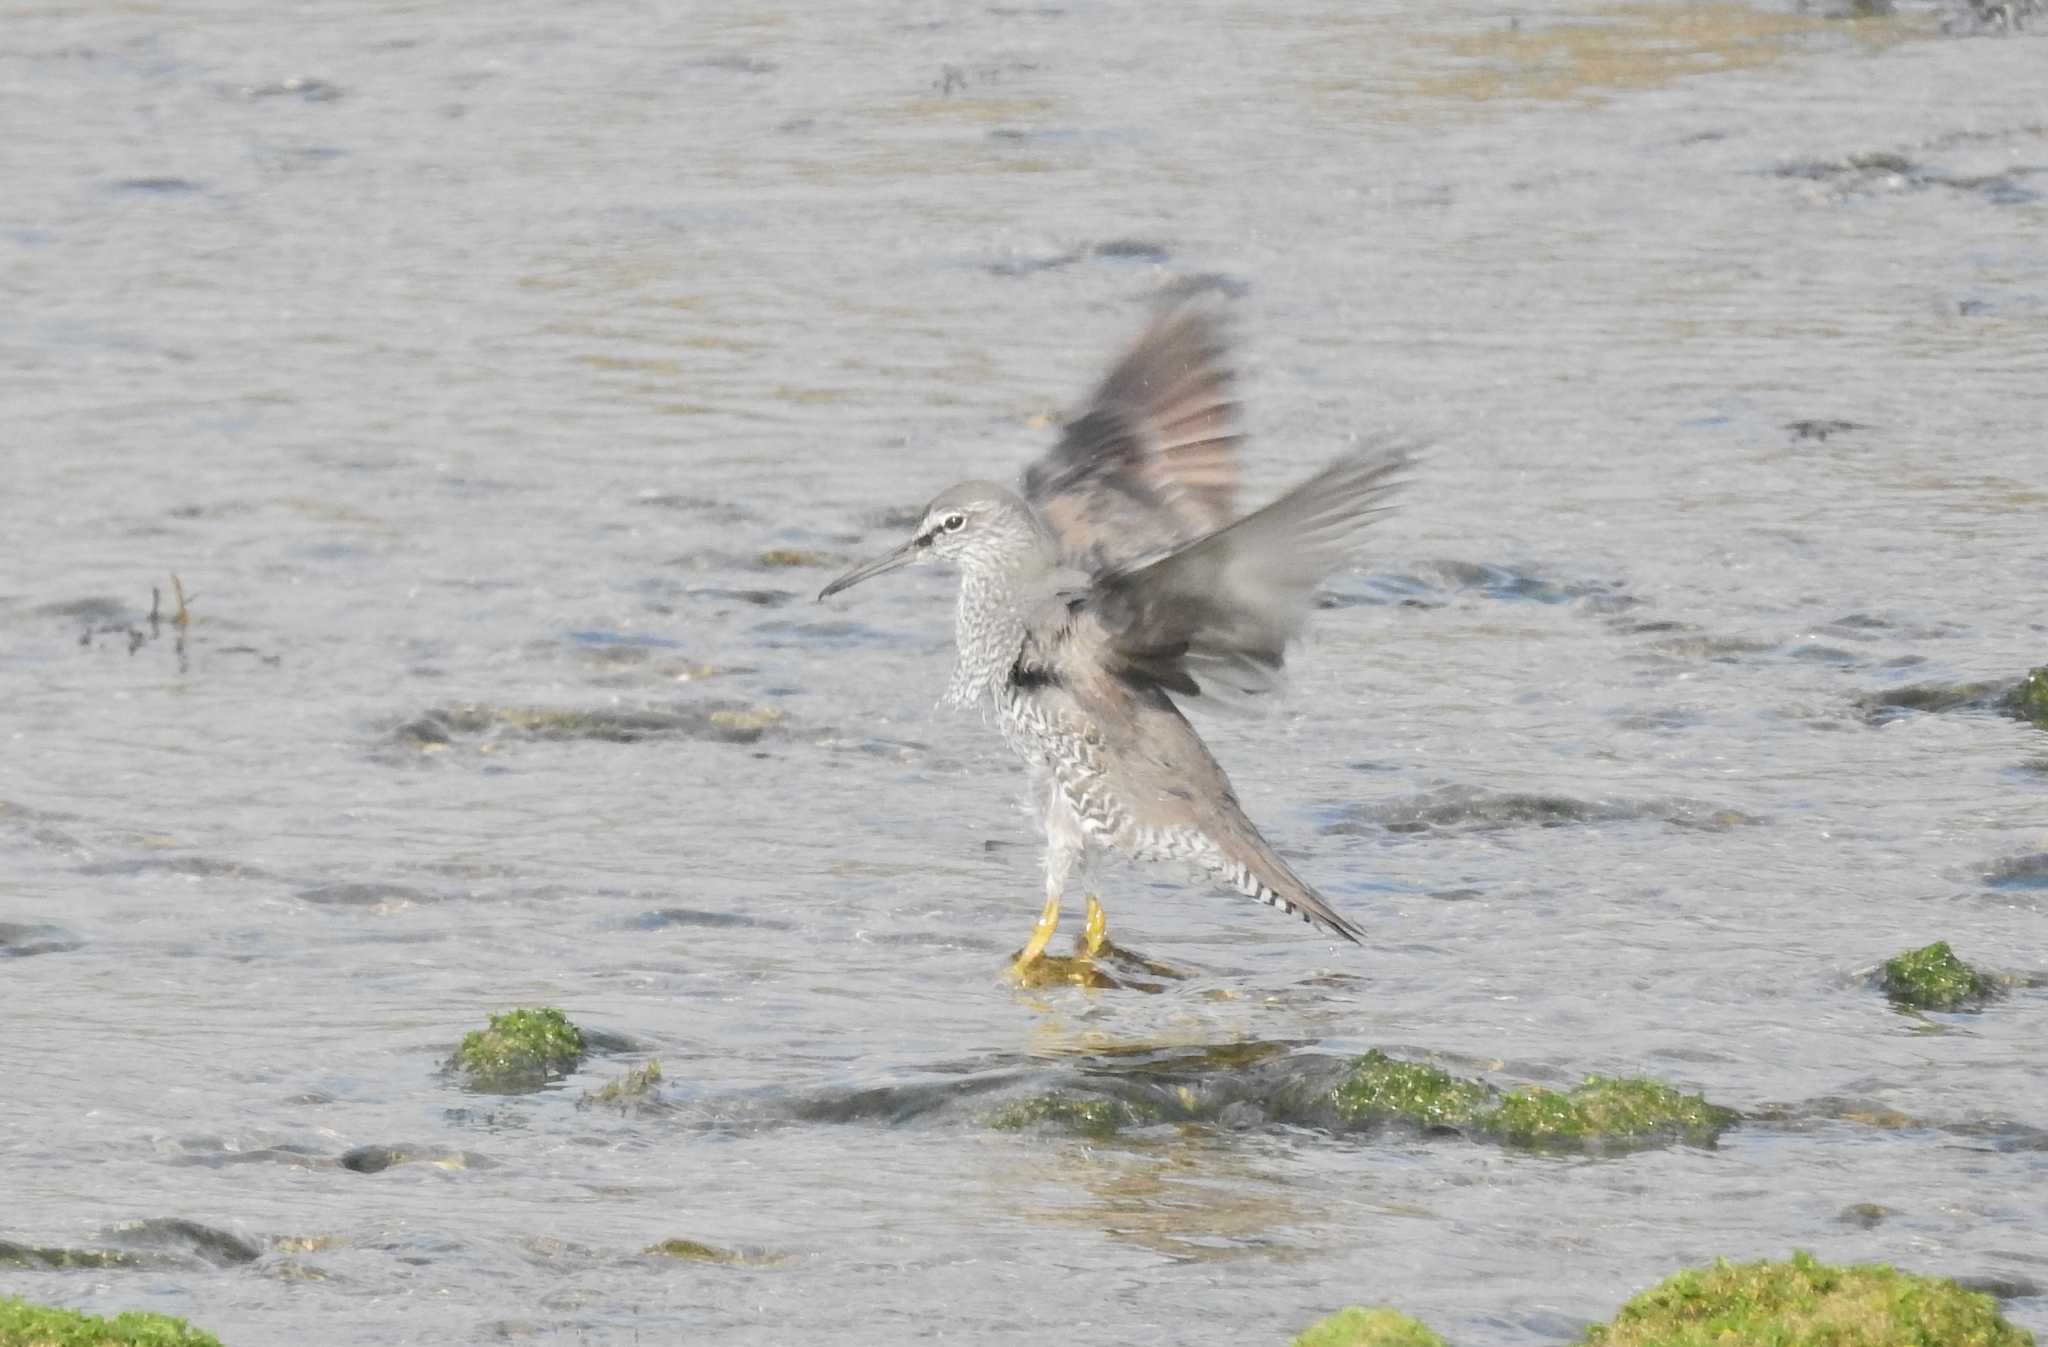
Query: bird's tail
x,y
1246,863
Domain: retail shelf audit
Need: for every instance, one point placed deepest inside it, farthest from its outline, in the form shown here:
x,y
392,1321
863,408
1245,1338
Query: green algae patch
x,y
520,1051
32,1255
1933,978
2028,700
1248,1086
439,729
1379,1088
1604,1109
26,1325
157,1241
1600,1113
1095,1116
694,1251
1357,1326
1806,1303
697,1251
634,1089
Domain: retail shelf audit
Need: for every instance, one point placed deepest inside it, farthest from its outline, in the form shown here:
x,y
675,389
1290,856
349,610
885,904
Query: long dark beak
x,y
868,570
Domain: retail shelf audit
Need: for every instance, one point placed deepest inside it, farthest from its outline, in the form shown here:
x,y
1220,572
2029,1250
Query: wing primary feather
x,y
1150,463
1220,612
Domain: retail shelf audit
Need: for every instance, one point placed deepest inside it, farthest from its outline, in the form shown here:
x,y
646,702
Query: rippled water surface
x,y
501,382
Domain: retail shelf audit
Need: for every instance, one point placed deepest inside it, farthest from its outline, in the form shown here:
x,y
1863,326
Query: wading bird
x,y
1114,584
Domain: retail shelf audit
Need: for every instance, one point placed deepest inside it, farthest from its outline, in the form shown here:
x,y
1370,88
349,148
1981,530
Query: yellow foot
x,y
1094,944
1095,962
1060,970
1033,967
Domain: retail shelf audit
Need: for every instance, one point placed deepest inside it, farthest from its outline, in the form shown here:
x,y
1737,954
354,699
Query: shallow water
x,y
463,364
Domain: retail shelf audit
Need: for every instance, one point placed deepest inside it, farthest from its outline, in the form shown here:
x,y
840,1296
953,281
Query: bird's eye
x,y
954,522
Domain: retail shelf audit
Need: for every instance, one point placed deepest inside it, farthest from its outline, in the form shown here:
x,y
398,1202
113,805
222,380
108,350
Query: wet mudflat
x,y
500,384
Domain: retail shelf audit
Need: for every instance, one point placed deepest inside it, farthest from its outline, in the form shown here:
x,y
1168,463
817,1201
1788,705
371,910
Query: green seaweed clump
x,y
1604,1108
520,1051
1356,1326
1933,978
2029,699
1805,1303
632,1088
1089,1116
26,1325
1380,1088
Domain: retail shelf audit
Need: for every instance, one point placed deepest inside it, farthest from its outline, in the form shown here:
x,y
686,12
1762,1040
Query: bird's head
x,y
975,525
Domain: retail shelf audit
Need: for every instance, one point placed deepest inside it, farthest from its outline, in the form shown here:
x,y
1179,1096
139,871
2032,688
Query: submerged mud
x,y
1474,808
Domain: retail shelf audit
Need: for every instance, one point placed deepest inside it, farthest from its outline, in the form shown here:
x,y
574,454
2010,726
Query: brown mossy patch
x,y
1089,1115
791,557
694,1251
435,730
683,1250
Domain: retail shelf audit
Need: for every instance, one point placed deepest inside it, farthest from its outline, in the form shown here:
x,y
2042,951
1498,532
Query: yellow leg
x,y
1094,941
1048,922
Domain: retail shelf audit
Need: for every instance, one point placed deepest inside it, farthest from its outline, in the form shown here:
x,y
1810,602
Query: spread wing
x,y
1151,463
1217,615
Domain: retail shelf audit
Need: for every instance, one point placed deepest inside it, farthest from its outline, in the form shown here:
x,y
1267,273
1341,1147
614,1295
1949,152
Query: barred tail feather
x,y
1259,874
